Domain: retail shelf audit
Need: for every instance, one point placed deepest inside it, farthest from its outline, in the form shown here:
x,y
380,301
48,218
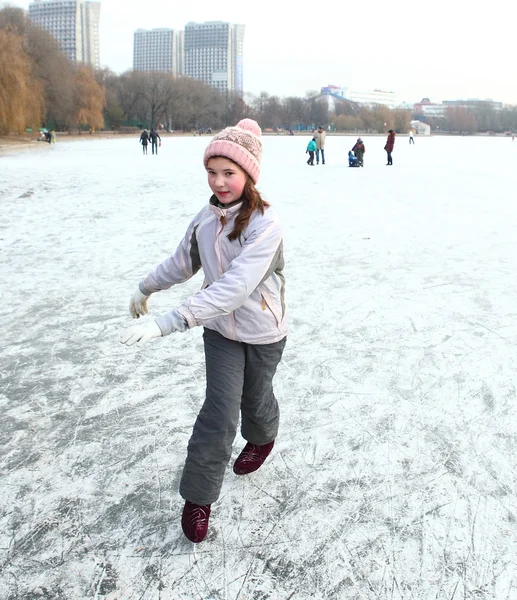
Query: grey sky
x,y
445,49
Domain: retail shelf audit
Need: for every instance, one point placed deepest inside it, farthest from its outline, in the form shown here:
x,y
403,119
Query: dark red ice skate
x,y
251,458
194,521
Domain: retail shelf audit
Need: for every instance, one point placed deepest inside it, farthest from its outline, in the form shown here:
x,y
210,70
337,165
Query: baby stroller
x,y
353,161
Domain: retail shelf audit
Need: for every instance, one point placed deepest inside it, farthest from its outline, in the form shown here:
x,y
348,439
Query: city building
x,y
370,99
158,50
213,53
474,104
74,24
336,97
374,98
426,108
335,90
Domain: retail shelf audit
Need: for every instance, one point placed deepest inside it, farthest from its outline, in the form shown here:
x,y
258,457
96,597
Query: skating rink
x,y
394,473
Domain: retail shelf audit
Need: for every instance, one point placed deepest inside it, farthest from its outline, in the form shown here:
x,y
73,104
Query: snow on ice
x,y
394,473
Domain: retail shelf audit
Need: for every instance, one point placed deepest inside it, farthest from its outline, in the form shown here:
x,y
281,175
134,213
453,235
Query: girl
x,y
237,241
311,149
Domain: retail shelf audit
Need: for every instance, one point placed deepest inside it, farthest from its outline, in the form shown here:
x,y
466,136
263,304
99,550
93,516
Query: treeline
x,y
483,118
38,84
181,103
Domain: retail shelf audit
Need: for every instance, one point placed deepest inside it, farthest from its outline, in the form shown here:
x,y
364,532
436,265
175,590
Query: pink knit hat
x,y
241,144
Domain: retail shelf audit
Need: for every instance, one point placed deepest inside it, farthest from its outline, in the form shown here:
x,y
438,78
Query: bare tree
x,y
509,118
130,91
193,104
461,120
293,112
113,112
235,109
156,96
401,120
317,111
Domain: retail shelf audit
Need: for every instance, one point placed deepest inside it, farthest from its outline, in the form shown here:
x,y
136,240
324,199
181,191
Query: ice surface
x,y
394,473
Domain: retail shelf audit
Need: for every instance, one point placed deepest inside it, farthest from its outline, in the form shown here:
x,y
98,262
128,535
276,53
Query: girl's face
x,y
226,179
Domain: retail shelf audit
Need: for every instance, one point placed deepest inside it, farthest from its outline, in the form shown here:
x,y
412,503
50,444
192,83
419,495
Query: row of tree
x,y
40,86
147,99
484,118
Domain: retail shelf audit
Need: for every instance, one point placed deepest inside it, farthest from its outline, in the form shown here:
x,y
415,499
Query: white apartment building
x,y
474,104
375,98
213,53
74,24
426,108
158,50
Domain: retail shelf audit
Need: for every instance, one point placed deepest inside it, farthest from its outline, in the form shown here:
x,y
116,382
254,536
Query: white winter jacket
x,y
242,296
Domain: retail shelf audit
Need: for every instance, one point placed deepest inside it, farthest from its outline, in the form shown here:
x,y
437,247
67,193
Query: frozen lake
x,y
395,471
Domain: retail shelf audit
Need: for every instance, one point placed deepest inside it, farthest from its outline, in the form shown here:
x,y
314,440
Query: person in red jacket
x,y
390,143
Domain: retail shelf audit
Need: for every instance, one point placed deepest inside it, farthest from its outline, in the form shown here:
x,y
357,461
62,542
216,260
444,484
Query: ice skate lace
x,y
251,455
198,516
197,520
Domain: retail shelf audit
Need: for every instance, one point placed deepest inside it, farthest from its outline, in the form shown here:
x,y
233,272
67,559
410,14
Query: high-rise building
x,y
74,24
213,53
91,33
158,50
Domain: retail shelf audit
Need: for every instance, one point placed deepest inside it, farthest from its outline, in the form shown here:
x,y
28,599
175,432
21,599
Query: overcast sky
x,y
445,49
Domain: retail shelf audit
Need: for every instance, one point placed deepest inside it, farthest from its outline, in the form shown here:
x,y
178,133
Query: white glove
x,y
171,322
140,333
138,304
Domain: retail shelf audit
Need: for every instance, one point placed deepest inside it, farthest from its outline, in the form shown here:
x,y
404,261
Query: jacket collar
x,y
224,210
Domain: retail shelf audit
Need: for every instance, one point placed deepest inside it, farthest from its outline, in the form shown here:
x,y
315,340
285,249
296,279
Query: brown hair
x,y
251,201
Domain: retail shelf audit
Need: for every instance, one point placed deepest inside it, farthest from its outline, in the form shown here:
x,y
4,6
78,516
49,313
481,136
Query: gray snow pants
x,y
239,380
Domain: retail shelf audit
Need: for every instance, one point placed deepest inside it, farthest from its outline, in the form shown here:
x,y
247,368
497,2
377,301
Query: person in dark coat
x,y
390,143
144,140
154,137
359,151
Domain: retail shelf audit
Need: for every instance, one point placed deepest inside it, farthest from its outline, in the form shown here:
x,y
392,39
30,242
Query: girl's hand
x,y
138,304
140,333
171,322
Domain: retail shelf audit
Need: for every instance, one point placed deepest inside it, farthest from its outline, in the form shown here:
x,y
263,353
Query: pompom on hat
x,y
241,144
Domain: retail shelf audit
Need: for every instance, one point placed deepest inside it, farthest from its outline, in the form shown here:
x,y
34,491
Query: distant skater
x,y
411,136
353,161
390,143
359,151
144,140
311,149
154,137
319,137
237,241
